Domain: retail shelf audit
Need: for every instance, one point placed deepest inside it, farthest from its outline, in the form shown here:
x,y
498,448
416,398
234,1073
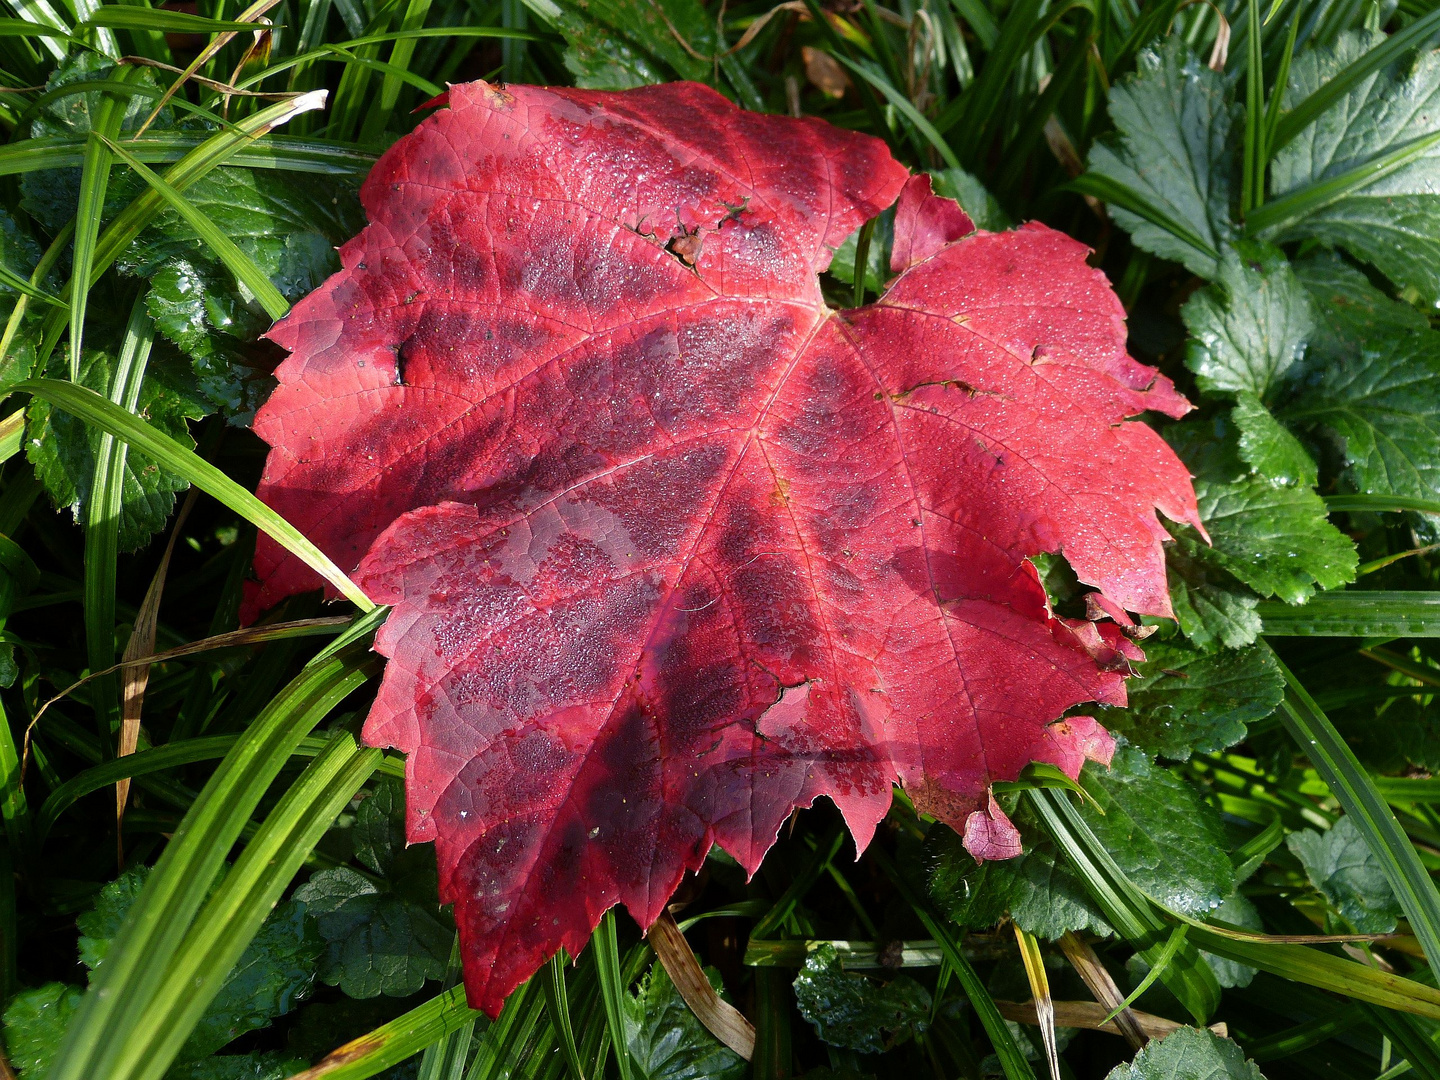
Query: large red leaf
x,y
675,548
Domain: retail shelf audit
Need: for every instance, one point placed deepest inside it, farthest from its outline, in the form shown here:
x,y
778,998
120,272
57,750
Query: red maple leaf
x,y
674,547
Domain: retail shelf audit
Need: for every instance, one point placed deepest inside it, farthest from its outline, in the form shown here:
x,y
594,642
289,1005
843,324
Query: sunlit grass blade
x,y
1368,811
124,988
1355,613
401,54
165,147
209,155
225,249
44,16
511,1030
1125,907
95,410
1012,1060
102,524
234,914
1294,205
90,210
1034,964
1333,90
445,1059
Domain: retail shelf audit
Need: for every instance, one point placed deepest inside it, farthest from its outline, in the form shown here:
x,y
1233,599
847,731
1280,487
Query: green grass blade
x,y
808,874
558,1001
94,181
606,947
1126,908
121,17
209,155
1379,504
445,1058
1367,809
102,525
235,912
1162,962
225,249
902,105
1355,613
95,410
142,952
165,147
1318,194
1116,193
1334,90
43,15
392,1043
1409,1039
14,809
1012,1060
1252,175
401,53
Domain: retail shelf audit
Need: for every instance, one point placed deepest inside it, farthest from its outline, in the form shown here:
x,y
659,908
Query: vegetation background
x,y
1262,185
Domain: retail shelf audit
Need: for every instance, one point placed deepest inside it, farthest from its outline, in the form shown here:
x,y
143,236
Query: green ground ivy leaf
x,y
973,196
63,449
618,44
1250,325
377,941
35,1023
1184,700
1373,384
857,1013
1189,1054
101,923
1342,866
51,195
666,1039
1173,150
273,975
1211,606
288,224
1277,540
19,253
1166,838
1392,222
1038,890
1268,447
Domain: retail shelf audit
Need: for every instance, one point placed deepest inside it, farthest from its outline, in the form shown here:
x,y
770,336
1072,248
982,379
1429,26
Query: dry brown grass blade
x,y
724,1021
1089,1015
1040,996
135,672
250,14
210,84
1082,957
251,635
